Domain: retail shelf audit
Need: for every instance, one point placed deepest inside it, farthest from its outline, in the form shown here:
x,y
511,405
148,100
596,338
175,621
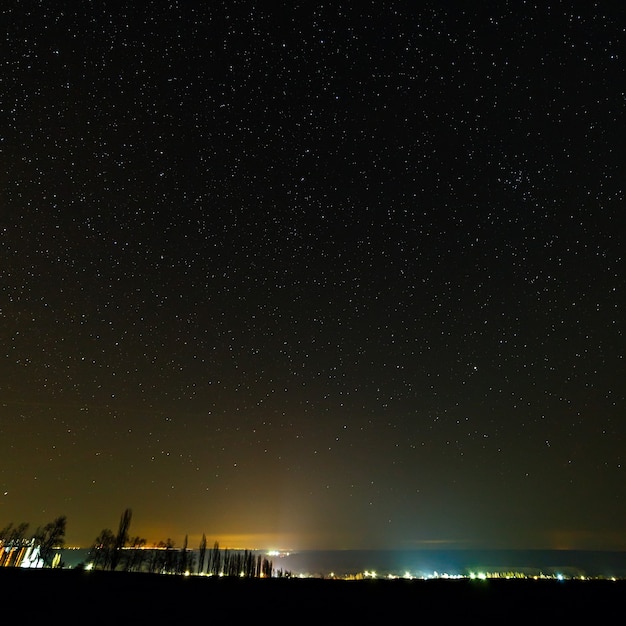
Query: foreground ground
x,y
77,597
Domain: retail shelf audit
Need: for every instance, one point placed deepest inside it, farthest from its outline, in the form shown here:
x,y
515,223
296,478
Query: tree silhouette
x,y
215,561
202,554
13,538
156,563
169,559
137,555
102,549
266,572
121,538
182,558
50,537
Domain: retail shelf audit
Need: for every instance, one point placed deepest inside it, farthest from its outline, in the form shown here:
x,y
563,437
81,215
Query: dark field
x,y
77,597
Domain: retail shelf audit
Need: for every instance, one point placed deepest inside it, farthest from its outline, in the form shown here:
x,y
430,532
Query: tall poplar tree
x,y
202,554
121,538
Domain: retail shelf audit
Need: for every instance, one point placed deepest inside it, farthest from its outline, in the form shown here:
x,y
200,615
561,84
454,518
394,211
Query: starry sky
x,y
314,274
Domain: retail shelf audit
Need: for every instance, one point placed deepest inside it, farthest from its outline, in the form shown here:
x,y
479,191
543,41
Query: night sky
x,y
315,274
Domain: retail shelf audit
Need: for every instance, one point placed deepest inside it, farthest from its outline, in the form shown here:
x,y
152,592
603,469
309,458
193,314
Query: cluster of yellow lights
x,y
408,576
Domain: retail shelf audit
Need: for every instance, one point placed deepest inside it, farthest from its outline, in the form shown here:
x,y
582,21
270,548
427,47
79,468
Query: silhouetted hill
x,y
78,597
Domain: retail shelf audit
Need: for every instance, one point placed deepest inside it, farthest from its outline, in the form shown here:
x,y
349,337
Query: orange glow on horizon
x,y
586,540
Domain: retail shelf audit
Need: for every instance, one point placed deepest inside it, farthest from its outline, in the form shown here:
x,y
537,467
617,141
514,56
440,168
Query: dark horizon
x,y
418,563
167,599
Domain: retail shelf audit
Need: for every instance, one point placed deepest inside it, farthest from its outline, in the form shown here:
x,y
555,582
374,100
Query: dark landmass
x,y
75,596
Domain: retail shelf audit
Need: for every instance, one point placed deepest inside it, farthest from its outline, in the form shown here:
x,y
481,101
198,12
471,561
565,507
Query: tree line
x,y
39,549
122,552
